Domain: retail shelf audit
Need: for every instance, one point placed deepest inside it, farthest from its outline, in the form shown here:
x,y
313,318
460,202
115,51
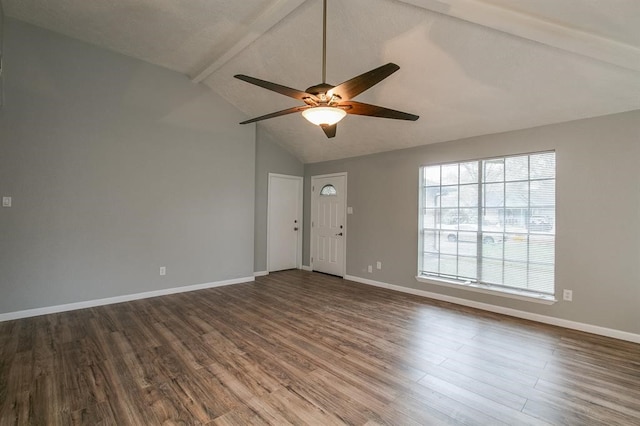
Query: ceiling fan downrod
x,y
324,41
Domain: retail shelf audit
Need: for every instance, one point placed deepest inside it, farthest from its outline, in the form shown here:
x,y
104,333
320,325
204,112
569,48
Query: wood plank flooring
x,y
303,348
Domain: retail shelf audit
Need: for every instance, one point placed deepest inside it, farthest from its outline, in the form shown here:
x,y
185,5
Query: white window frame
x,y
472,285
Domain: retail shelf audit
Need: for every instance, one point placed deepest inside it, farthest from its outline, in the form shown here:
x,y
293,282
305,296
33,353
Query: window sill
x,y
483,288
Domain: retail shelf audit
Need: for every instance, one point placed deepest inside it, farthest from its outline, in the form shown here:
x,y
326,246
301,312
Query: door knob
x,y
295,229
339,235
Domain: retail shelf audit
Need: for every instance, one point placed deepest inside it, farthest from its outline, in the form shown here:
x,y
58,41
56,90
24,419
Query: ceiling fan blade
x,y
277,114
352,88
329,130
359,108
283,90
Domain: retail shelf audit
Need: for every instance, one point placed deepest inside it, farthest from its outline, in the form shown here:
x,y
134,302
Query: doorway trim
x,y
313,205
299,214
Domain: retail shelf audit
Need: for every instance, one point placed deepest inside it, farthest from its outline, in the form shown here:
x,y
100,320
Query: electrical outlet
x,y
6,201
567,295
378,265
370,269
163,270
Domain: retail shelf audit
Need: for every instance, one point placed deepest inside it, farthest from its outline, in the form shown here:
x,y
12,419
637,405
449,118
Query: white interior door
x,y
284,230
328,224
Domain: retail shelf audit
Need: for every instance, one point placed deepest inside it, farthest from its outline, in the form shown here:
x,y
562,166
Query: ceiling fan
x,y
325,105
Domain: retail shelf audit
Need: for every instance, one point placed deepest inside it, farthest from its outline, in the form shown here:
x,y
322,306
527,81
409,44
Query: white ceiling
x,y
468,67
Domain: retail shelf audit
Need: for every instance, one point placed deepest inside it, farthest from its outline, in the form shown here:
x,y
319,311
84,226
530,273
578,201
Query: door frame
x,y
313,205
300,180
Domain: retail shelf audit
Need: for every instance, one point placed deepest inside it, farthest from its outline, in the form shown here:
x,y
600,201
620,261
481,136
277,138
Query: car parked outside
x,y
468,232
540,223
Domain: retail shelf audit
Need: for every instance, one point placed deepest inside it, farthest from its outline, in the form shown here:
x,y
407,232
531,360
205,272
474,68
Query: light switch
x,y
349,210
6,201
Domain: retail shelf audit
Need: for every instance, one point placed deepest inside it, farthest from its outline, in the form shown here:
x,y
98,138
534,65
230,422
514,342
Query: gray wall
x,y
270,158
116,167
598,212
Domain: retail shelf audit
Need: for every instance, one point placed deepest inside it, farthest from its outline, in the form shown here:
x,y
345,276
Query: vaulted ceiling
x,y
468,67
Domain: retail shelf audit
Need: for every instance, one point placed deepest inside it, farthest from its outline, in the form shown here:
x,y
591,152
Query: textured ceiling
x,y
468,67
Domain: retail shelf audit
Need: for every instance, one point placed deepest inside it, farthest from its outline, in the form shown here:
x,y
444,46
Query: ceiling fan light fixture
x,y
324,115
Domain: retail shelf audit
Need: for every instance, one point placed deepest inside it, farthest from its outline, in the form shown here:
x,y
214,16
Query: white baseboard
x,y
306,268
260,273
589,328
118,299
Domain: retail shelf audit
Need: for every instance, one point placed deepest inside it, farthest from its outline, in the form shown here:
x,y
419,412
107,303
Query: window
x,y
328,191
490,224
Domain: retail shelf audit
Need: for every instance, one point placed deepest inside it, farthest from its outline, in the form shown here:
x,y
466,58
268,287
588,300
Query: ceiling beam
x,y
275,12
537,29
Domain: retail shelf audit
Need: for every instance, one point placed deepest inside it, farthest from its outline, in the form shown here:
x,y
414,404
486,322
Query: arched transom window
x,y
328,191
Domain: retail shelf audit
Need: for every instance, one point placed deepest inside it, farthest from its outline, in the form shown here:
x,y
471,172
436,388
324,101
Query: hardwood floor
x,y
304,348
